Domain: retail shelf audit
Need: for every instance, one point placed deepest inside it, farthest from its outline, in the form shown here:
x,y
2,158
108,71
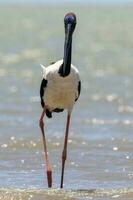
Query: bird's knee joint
x,y
41,123
64,155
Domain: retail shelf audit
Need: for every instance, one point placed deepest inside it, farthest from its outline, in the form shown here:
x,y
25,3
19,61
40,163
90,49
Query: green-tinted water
x,y
100,153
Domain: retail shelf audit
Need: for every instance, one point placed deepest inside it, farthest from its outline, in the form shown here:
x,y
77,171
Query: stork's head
x,y
70,22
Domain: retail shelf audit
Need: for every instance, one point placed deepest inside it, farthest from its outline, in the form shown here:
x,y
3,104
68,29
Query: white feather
x,y
44,70
60,92
43,67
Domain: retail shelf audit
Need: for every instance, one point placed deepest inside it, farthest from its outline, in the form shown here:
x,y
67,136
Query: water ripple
x,y
96,121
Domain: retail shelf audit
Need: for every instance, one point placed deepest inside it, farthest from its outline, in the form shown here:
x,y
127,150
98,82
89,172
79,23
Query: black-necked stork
x,y
60,89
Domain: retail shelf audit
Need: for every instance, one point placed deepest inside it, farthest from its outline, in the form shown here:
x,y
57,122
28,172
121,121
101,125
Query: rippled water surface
x,y
100,155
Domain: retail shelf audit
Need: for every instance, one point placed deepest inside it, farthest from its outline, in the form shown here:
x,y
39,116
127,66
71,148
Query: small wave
x,y
3,72
27,54
13,143
108,97
125,109
96,121
54,194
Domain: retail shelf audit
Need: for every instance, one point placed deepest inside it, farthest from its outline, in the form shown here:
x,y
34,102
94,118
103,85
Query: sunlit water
x,y
100,150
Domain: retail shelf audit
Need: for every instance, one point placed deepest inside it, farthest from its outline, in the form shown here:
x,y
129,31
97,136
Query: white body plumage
x,y
60,92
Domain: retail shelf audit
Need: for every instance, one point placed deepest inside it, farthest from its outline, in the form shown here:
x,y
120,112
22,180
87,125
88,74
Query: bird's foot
x,y
49,177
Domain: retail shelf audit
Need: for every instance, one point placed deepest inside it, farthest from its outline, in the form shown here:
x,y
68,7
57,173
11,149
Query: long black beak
x,y
67,50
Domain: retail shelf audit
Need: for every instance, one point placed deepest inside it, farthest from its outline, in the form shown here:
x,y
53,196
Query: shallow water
x,y
50,194
100,155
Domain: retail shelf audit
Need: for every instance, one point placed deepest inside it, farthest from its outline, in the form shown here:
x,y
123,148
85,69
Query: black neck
x,y
65,68
67,57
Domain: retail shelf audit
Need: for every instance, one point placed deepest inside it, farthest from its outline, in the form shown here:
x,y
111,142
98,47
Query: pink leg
x,y
49,172
64,153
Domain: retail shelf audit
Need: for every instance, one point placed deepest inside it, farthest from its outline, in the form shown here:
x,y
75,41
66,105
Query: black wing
x,y
42,88
79,90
